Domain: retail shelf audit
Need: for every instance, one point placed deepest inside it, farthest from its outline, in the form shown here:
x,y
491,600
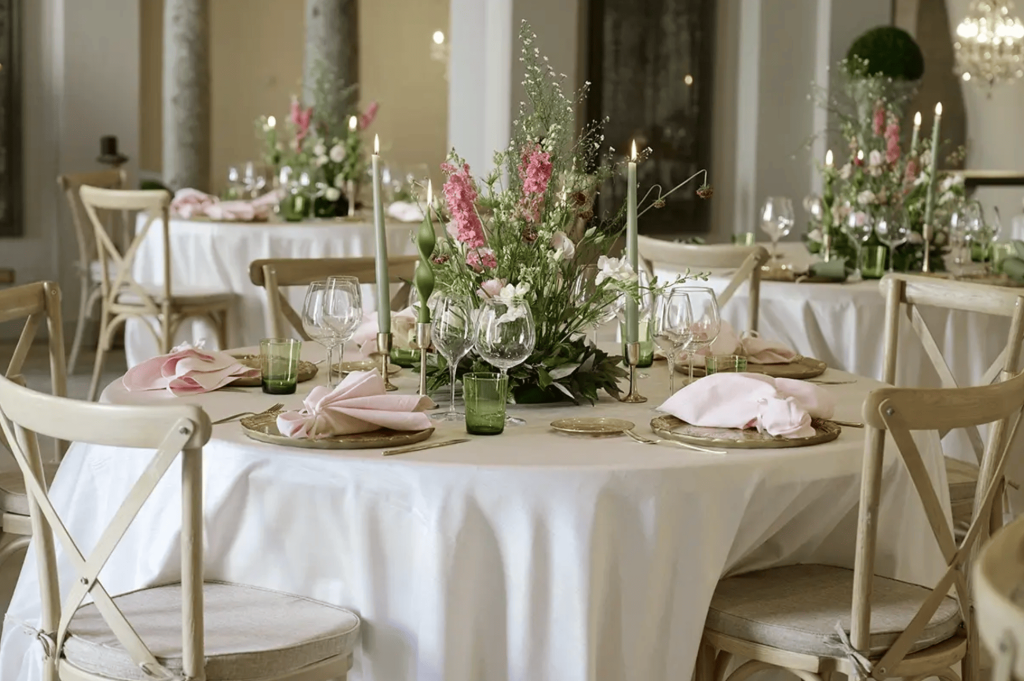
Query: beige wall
x,y
256,65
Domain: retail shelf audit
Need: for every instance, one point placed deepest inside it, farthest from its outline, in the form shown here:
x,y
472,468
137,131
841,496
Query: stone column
x,y
186,94
332,43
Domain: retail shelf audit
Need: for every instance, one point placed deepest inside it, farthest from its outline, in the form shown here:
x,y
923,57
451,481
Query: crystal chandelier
x,y
990,43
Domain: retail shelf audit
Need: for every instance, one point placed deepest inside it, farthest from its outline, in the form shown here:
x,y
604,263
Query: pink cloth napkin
x,y
185,371
238,211
403,330
189,203
358,405
757,350
778,406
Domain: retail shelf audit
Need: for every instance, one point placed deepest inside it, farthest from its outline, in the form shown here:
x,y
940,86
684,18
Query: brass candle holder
x,y
384,341
423,342
633,358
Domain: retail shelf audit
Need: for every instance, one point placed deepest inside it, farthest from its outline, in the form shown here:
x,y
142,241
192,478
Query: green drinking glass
x,y
873,266
745,239
646,338
720,364
279,363
485,395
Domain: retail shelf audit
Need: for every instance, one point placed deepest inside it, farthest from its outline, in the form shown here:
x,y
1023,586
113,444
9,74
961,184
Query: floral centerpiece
x,y
525,232
880,178
322,145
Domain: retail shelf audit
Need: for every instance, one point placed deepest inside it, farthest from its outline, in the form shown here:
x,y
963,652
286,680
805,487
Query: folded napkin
x,y
779,406
757,350
239,211
187,370
833,270
189,203
403,330
358,405
404,211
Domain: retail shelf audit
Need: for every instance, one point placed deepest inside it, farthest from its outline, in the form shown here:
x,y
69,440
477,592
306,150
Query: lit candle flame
x,y
828,158
633,157
353,122
376,145
271,122
938,109
430,193
917,120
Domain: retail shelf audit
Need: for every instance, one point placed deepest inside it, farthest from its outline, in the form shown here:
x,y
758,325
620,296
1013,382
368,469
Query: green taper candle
x,y
424,276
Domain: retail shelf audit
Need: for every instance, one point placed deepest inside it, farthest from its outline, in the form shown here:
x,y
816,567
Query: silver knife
x,y
427,445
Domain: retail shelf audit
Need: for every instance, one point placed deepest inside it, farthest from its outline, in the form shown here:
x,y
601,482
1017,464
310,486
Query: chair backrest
x,y
999,597
907,293
105,179
275,274
899,412
746,259
116,261
25,414
35,303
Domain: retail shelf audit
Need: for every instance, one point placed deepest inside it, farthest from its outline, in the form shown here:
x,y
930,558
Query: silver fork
x,y
276,408
648,441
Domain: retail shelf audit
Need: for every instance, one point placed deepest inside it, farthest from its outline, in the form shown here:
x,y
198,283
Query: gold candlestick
x,y
423,342
633,358
384,348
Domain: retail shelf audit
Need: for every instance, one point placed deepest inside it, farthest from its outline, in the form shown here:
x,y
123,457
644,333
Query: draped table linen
x,y
217,255
528,556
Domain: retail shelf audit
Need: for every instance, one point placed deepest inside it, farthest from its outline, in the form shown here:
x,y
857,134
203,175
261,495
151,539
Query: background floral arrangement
x,y
526,231
322,143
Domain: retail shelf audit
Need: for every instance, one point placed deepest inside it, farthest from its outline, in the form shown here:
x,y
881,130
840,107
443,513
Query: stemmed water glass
x,y
982,232
777,220
959,239
313,321
452,334
672,318
505,337
892,231
254,180
707,321
586,292
342,313
859,228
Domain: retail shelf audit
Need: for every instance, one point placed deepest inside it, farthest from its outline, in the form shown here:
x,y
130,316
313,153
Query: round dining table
x,y
215,256
531,555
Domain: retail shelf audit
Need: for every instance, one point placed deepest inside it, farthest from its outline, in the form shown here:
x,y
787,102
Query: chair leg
x,y
704,670
83,312
101,351
221,320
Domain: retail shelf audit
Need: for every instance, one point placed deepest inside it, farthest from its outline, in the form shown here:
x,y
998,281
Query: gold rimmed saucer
x,y
594,426
365,365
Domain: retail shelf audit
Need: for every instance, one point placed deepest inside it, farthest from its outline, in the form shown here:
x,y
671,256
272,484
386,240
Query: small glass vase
x,y
873,261
295,206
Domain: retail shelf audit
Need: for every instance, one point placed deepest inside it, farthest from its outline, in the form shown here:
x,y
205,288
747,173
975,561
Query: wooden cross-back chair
x,y
33,303
88,263
275,274
746,259
227,631
816,620
999,598
123,297
906,294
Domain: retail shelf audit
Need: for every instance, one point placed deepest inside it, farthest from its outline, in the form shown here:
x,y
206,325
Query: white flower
x,y
512,297
564,247
866,197
321,161
339,181
616,269
320,149
845,172
814,235
951,181
875,158
337,153
332,194
926,159
860,218
922,178
946,197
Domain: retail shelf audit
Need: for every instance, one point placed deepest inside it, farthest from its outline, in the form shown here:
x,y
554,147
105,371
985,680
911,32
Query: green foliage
x,y
888,52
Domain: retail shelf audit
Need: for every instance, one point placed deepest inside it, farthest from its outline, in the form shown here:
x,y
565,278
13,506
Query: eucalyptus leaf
x,y
563,371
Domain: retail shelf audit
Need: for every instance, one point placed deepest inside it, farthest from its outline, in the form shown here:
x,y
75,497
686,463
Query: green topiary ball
x,y
889,52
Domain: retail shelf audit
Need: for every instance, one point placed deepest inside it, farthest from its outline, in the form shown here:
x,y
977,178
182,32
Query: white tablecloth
x,y
528,556
217,255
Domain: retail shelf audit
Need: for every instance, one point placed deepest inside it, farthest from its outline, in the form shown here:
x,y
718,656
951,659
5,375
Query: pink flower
x,y
878,122
460,194
479,258
892,140
491,288
911,173
366,120
535,172
301,118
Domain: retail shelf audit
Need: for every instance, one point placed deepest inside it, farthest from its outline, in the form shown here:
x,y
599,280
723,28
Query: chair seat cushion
x,y
796,608
13,498
180,295
251,633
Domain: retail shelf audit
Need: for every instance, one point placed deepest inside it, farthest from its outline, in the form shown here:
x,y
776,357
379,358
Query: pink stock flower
x,y
491,288
892,140
366,120
479,258
301,118
535,172
878,122
460,194
911,173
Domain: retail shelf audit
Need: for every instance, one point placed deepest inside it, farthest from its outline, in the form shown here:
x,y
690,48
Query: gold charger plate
x,y
263,427
307,370
365,365
799,368
597,426
672,428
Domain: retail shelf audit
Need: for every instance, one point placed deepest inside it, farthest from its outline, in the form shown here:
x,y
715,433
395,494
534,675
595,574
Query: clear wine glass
x,y
707,321
777,220
235,186
672,318
858,227
981,232
343,313
891,229
959,240
586,292
505,338
254,179
452,334
313,321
